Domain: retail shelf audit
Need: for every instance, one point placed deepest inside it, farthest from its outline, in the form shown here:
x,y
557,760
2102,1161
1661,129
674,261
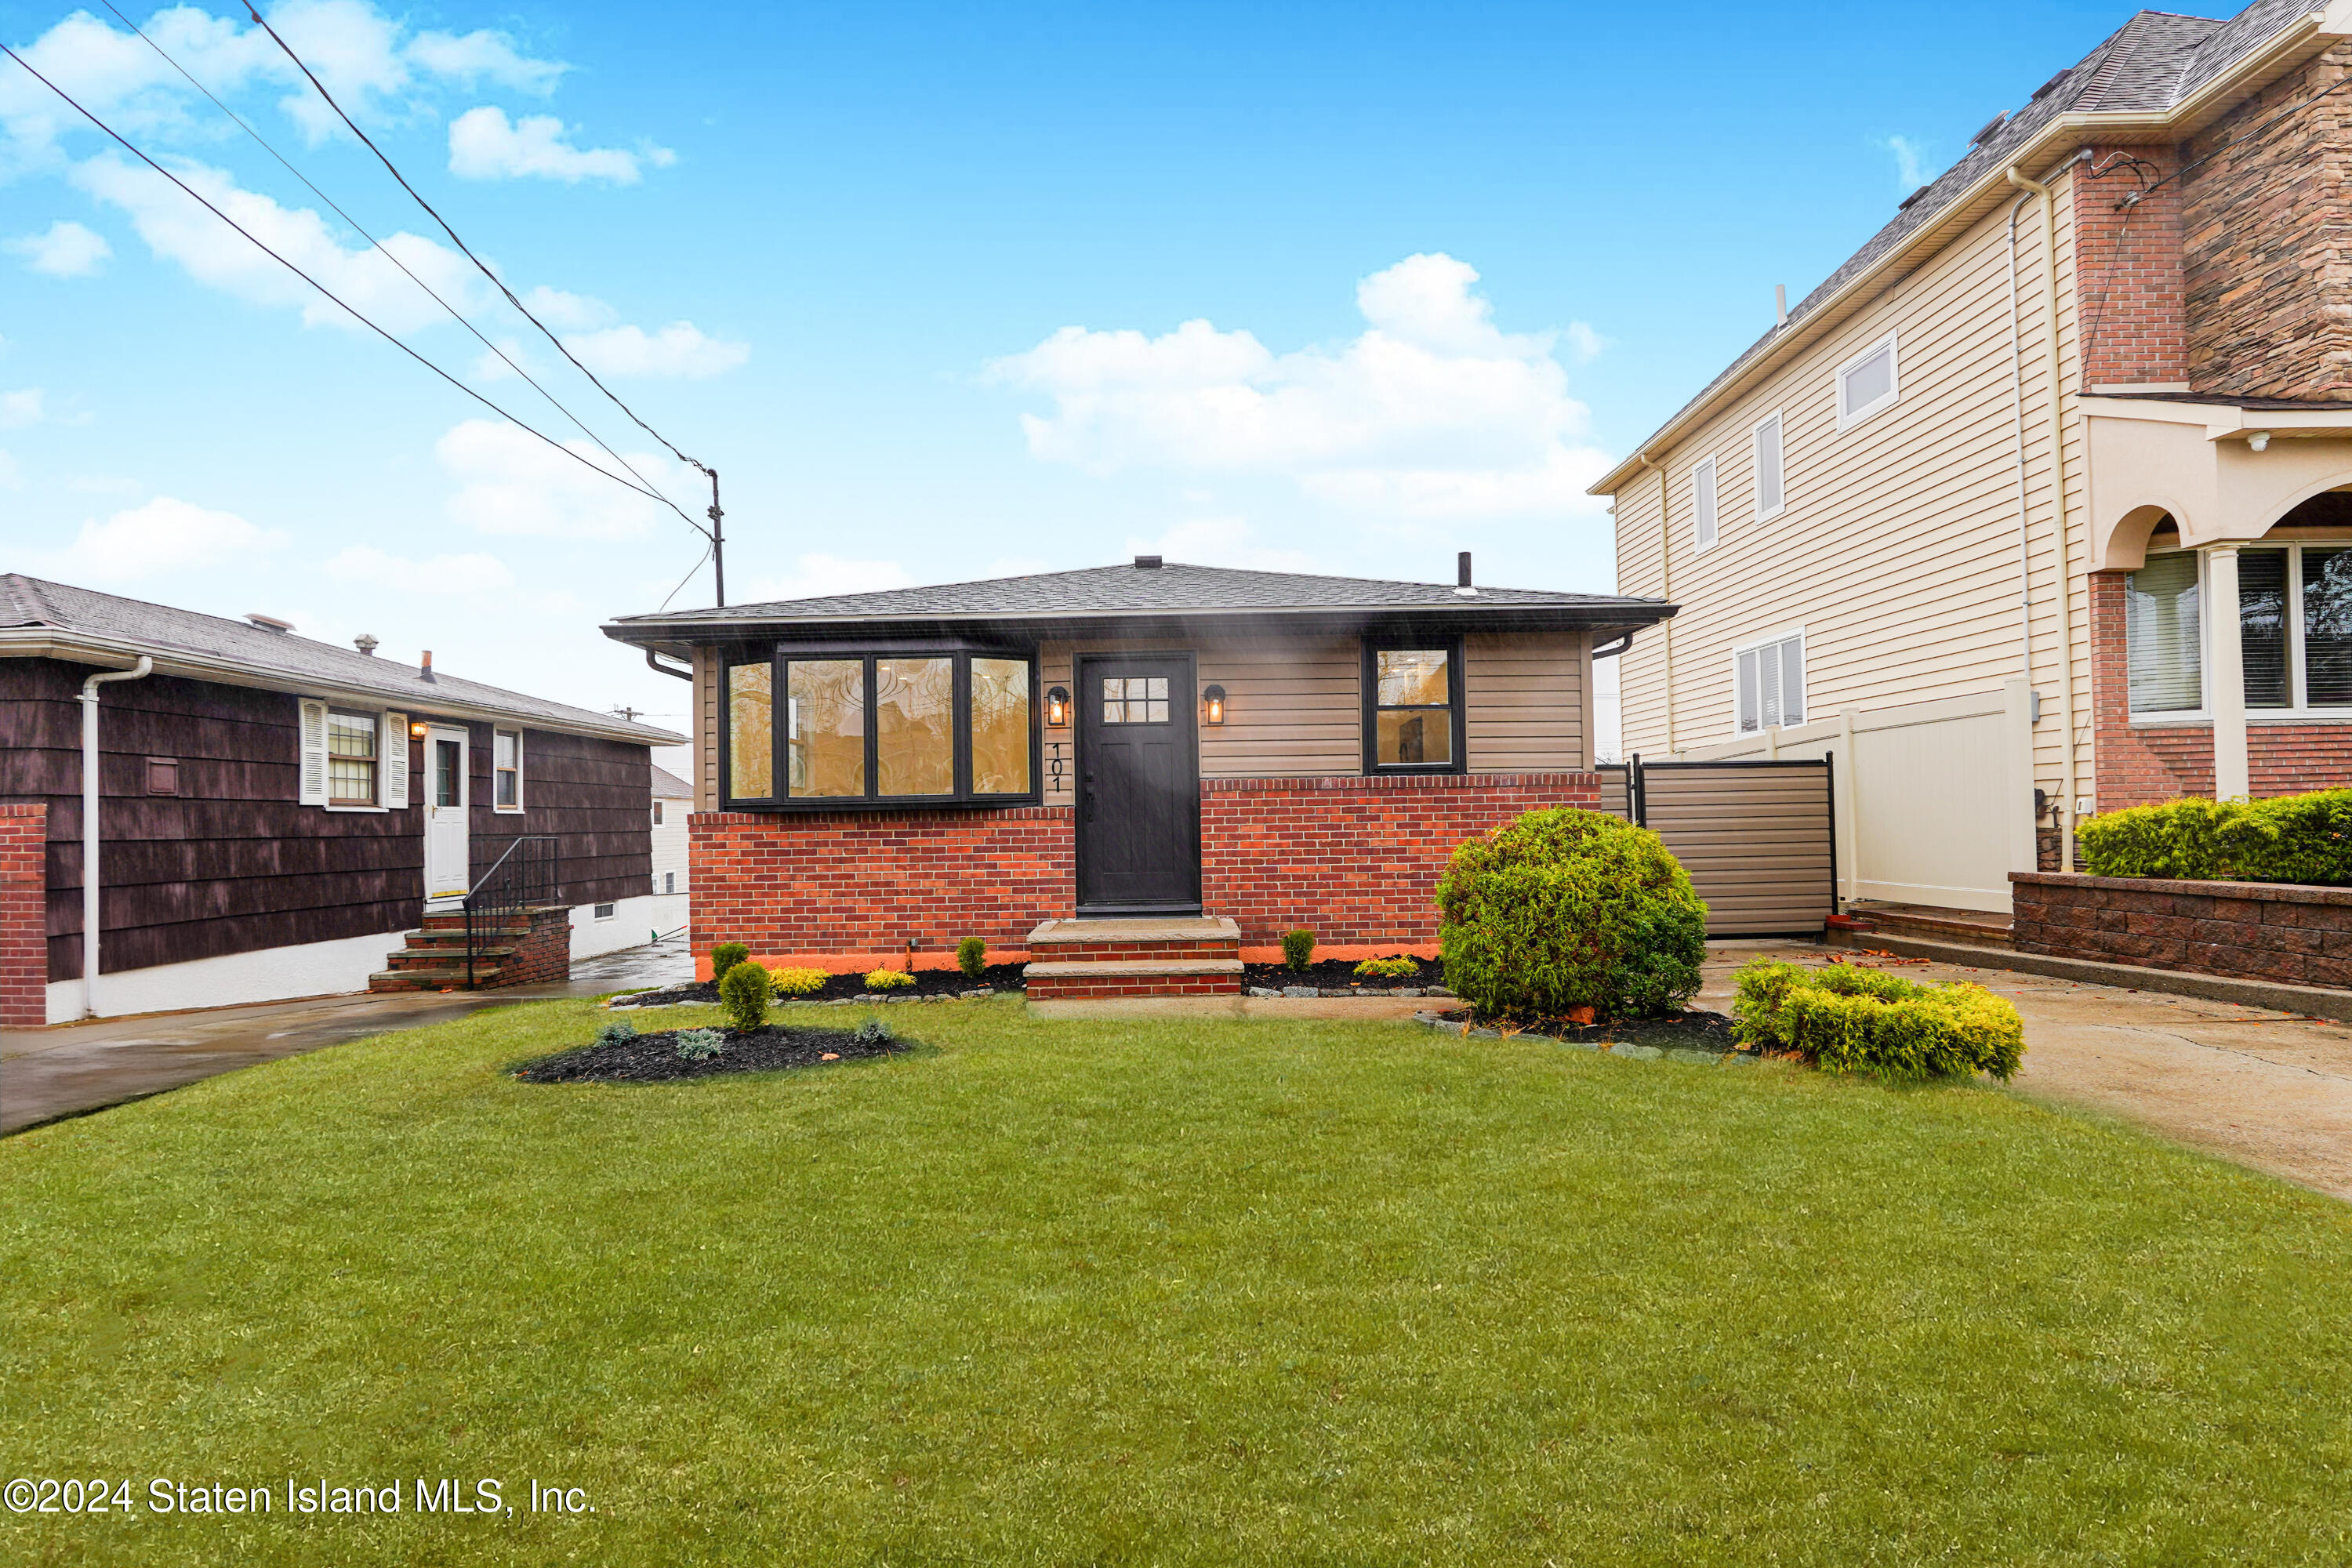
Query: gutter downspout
x,y
90,881
2017,405
1666,592
2058,505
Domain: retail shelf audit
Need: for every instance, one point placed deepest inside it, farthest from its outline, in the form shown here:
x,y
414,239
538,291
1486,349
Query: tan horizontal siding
x,y
1524,708
706,728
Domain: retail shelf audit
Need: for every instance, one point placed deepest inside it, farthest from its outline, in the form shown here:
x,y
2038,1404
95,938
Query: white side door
x,y
448,850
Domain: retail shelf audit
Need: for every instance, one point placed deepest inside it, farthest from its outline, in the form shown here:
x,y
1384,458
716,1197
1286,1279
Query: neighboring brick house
x,y
276,816
2117,333
925,764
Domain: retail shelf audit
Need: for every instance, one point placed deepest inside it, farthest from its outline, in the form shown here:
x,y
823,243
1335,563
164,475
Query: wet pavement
x,y
46,1074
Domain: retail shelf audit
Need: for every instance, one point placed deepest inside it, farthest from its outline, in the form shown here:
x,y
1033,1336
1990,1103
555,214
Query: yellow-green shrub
x,y
1848,1019
798,982
726,956
888,979
1397,968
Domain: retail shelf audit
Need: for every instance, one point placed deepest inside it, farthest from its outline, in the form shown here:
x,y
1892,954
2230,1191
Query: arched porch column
x,y
2225,674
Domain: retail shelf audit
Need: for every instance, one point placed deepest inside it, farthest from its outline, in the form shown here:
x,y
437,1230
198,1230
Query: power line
x,y
314,283
243,125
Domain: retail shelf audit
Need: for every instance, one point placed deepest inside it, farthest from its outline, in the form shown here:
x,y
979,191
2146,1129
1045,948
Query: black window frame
x,y
962,651
1450,646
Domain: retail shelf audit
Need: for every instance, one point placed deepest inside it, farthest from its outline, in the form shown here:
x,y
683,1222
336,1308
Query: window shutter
x,y
393,770
314,752
1703,505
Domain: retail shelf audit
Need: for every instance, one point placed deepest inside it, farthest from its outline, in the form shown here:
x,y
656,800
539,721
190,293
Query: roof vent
x,y
2054,82
1148,562
365,644
270,623
1994,124
1914,196
1462,575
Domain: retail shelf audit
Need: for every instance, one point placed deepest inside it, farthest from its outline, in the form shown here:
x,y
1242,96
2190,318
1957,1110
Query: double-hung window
x,y
1768,683
350,759
506,769
2295,631
1868,382
1413,706
1769,492
913,725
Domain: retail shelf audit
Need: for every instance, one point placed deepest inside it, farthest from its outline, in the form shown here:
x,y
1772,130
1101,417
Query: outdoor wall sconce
x,y
1213,698
417,730
1057,708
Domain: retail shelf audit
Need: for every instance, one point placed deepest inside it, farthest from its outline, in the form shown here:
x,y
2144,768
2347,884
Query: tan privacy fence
x,y
1759,838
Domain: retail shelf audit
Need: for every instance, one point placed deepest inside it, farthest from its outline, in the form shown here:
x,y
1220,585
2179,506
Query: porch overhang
x,y
2195,460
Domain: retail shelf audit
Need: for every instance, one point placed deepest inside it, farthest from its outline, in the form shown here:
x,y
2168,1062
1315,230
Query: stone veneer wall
x,y
2259,930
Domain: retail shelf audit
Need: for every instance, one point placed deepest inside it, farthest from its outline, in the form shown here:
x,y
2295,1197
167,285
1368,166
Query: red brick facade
x,y
543,955
1356,859
2127,268
24,892
2138,764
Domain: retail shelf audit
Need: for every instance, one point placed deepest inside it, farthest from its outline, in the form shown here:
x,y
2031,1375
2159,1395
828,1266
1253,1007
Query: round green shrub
x,y
726,956
744,994
1566,909
971,957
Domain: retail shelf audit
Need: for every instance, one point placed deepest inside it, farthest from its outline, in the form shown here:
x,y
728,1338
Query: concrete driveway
x,y
2272,1090
46,1074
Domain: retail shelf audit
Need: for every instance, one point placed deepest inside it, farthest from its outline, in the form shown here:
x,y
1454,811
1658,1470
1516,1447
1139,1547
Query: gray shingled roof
x,y
1118,591
301,663
2147,65
667,785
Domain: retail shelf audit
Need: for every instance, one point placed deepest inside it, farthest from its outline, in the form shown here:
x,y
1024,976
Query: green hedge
x,y
1566,909
2292,839
1847,1019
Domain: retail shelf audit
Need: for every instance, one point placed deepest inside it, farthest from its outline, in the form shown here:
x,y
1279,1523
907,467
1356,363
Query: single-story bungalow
x,y
885,771
275,817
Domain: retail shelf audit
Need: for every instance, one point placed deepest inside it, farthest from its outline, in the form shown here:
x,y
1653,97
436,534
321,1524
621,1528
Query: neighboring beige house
x,y
1867,511
673,802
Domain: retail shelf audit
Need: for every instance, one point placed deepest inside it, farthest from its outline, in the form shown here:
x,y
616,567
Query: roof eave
x,y
2289,46
122,653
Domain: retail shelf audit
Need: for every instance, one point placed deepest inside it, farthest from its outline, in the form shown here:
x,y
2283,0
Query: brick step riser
x,y
1091,952
418,958
427,980
1100,990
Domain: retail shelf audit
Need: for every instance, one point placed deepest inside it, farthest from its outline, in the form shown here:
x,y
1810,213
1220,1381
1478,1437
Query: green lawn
x,y
1161,1293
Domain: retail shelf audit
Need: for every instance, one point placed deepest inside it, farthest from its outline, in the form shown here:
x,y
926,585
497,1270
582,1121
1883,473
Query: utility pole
x,y
718,542
629,713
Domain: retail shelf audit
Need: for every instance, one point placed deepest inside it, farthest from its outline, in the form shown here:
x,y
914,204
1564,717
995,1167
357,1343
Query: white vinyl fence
x,y
1934,800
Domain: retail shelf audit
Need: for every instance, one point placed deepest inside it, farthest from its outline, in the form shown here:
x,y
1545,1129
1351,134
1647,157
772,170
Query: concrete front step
x,y
486,975
1974,927
444,957
1159,937
1095,978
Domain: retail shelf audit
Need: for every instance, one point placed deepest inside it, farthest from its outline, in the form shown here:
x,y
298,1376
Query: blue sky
x,y
941,290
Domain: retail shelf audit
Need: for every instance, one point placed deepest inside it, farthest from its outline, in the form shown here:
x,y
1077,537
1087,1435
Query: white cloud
x,y
1583,342
64,249
817,576
1220,541
1910,162
1432,411
17,409
510,482
469,574
483,145
484,56
160,538
678,350
566,312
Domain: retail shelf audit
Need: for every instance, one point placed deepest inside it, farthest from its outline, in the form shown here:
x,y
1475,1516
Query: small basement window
x,y
929,724
1768,683
506,770
351,757
1413,706
607,912
1868,382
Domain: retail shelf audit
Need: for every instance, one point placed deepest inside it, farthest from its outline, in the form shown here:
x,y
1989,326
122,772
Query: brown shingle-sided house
x,y
1137,741
275,813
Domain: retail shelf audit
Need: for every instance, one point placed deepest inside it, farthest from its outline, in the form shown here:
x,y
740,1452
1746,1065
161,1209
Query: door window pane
x,y
1000,726
1407,736
825,733
2328,627
914,726
1135,699
2261,623
2161,632
751,731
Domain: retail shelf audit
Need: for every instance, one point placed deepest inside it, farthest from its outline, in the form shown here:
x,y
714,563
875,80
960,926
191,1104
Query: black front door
x,y
1139,785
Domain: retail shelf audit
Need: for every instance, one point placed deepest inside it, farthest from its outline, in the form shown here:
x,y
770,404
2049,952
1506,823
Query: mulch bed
x,y
842,988
1683,1032
654,1059
1340,975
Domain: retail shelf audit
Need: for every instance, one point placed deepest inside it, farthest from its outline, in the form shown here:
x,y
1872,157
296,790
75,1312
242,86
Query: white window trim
x,y
2300,712
1847,418
521,788
611,912
1755,456
328,802
1804,676
1713,508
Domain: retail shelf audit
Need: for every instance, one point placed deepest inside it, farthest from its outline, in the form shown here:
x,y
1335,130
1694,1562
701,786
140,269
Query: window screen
x,y
2160,629
1868,382
1703,505
1771,683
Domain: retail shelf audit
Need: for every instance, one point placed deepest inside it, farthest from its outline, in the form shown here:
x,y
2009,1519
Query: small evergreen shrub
x,y
1563,909
798,982
2292,838
1848,1019
873,1032
701,1044
971,957
744,994
1397,968
888,979
1297,949
726,956
615,1032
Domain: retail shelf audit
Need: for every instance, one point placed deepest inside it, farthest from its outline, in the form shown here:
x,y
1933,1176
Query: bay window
x,y
923,725
2295,631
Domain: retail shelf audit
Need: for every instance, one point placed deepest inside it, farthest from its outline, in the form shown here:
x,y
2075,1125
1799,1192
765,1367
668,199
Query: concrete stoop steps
x,y
1974,928
1096,959
435,958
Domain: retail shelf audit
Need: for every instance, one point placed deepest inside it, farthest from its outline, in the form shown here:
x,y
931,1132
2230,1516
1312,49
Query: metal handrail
x,y
523,875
